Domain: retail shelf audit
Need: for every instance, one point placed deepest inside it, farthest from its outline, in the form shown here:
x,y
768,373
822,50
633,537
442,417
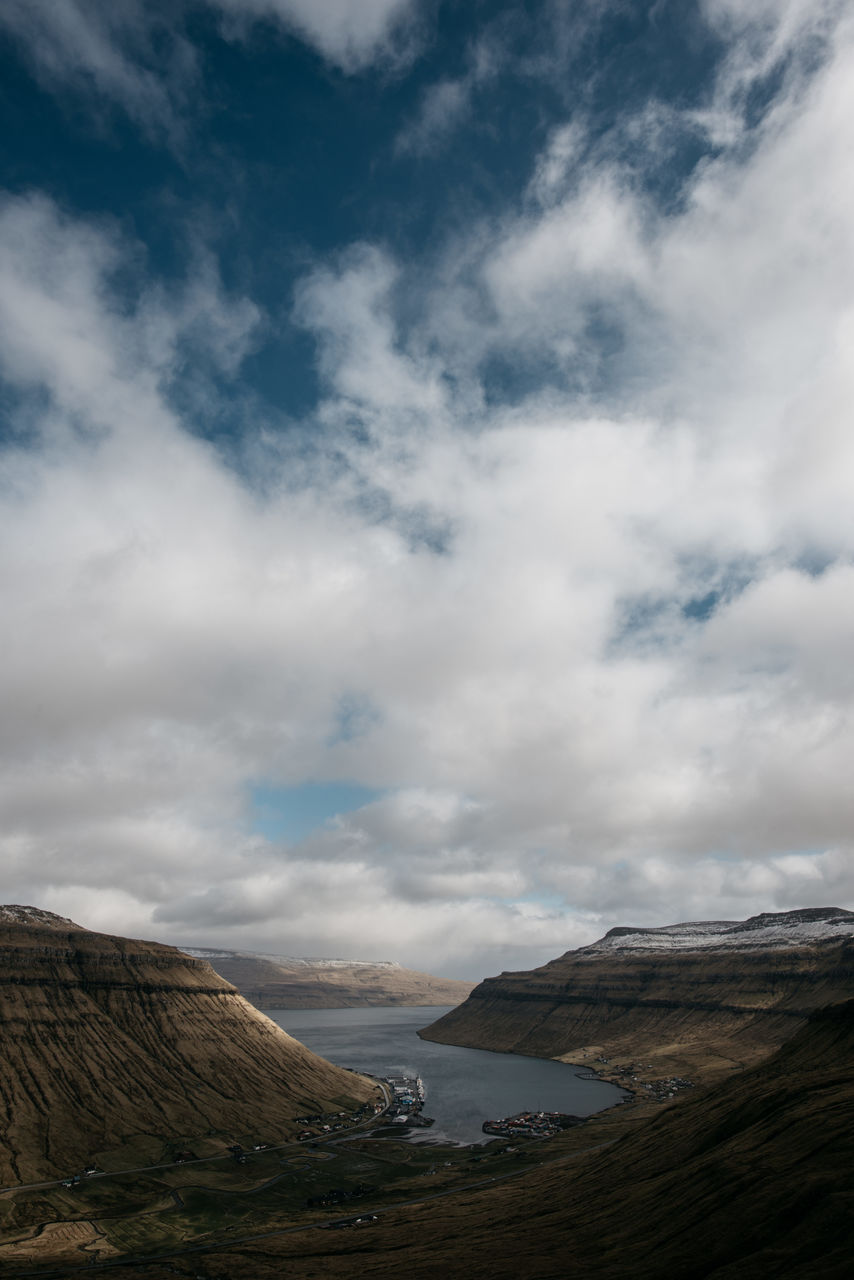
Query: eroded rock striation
x,y
290,982
108,1042
706,995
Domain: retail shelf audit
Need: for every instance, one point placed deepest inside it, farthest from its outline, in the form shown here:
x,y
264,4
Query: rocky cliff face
x,y
702,996
287,982
106,1042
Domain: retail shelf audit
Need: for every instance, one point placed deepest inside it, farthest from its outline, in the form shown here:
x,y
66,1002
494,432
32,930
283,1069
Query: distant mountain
x,y
109,1043
294,982
701,997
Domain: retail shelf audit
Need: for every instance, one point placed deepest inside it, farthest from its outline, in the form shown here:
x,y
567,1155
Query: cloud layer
x,y
590,638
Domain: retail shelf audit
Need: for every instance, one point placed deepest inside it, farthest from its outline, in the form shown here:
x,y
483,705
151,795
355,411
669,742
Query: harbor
x,y
463,1087
407,1102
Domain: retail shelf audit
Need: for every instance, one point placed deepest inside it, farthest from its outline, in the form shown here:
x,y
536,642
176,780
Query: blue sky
x,y
292,813
425,501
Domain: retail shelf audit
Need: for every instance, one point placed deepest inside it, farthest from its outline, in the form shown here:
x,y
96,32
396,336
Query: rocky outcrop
x,y
703,996
288,982
109,1042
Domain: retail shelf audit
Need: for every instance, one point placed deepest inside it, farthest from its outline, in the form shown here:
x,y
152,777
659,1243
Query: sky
x,y
426,469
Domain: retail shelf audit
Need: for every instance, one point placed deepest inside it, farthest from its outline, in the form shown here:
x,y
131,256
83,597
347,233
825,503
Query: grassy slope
x,y
752,1180
695,1013
104,1040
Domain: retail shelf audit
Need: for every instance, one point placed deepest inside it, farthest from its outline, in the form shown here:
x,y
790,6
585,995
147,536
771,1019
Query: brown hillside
x,y
751,1180
108,1041
699,1012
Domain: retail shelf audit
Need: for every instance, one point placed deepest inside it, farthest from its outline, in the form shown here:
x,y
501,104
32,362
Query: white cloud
x,y
350,309
555,164
64,328
121,50
352,34
443,106
140,55
513,591
766,39
446,103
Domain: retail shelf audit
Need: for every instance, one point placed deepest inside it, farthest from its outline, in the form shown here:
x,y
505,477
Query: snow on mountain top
x,y
207,953
288,962
316,962
775,930
12,913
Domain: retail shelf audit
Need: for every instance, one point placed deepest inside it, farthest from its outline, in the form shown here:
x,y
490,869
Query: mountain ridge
x,y
770,929
308,962
690,1007
299,982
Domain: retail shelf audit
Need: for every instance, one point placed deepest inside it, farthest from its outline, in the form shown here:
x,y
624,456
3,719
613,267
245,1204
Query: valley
x,y
740,1171
199,1204
750,1179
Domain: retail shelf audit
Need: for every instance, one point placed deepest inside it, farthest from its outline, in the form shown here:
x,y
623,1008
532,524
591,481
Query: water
x,y
464,1087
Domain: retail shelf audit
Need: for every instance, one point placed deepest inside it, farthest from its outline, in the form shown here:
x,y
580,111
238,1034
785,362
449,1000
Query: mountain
x,y
290,982
772,930
752,1179
701,998
114,1043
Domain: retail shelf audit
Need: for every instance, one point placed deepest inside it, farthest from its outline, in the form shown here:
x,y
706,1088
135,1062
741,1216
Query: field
x,y
165,1211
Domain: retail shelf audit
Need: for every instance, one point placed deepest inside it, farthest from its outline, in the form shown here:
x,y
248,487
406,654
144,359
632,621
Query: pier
x,y
407,1101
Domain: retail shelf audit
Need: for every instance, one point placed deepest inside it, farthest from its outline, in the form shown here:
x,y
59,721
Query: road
x,y
175,1164
239,1241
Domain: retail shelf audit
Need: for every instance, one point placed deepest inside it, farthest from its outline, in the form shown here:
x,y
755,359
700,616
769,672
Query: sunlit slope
x,y
105,1039
714,995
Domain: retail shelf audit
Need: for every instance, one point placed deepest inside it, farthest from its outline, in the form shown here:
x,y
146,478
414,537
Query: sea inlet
x,y
463,1087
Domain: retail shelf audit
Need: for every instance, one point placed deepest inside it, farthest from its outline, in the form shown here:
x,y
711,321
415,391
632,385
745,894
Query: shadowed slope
x,y
752,1180
105,1039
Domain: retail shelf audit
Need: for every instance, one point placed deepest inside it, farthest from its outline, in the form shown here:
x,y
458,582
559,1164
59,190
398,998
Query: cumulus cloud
x,y
600,627
772,37
349,307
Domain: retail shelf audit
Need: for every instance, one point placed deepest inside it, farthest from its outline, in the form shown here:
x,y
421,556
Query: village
x,y
532,1124
662,1089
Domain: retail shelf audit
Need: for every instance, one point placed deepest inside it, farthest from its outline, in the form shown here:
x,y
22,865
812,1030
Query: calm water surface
x,y
464,1087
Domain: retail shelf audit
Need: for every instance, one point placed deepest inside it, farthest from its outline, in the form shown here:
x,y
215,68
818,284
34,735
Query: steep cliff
x,y
108,1042
287,982
703,996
